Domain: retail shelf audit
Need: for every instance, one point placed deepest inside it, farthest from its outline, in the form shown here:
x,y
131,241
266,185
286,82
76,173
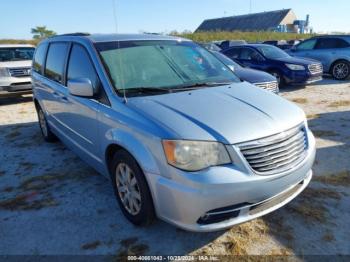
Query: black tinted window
x,y
80,66
330,43
55,61
233,52
248,54
39,58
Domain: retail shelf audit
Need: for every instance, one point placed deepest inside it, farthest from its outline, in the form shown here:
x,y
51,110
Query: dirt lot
x,y
53,203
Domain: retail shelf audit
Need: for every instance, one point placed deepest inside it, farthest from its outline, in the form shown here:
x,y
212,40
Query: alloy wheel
x,y
128,189
341,70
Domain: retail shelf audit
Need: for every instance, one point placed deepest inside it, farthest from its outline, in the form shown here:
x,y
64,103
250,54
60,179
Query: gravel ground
x,y
53,203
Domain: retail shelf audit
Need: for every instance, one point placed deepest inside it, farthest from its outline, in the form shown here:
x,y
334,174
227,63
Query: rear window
x,y
8,54
55,61
39,58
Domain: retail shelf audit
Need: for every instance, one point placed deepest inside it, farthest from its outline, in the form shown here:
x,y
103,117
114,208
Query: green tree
x,y
41,32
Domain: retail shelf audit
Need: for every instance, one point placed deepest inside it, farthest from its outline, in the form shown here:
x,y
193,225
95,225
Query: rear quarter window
x,y
55,61
39,58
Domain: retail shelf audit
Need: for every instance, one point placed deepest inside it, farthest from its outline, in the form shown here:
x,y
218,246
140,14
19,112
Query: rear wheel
x,y
131,189
341,70
44,127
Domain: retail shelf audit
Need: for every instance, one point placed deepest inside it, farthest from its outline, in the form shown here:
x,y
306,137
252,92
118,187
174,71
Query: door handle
x,y
64,98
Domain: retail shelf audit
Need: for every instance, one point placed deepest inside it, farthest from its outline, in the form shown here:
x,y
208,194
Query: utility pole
x,y
250,6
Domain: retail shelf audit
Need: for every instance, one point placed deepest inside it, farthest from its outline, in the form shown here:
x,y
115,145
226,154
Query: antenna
x,y
114,3
250,6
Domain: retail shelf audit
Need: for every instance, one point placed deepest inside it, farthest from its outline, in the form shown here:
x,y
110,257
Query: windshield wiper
x,y
144,90
201,84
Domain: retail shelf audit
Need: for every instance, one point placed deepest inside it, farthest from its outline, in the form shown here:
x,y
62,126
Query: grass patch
x,y
341,178
328,237
12,135
91,245
311,205
323,133
300,100
313,116
248,36
340,103
130,248
25,202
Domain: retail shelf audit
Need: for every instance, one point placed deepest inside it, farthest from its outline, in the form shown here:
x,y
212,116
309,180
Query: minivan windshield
x,y
272,52
163,65
16,53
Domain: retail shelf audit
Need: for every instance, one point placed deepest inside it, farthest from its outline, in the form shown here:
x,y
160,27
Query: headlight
x,y
295,67
195,155
4,72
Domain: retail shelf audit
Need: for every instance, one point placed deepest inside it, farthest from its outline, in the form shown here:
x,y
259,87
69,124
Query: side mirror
x,y
80,87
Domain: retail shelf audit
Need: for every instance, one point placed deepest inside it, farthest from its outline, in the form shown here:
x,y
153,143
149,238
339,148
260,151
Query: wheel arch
x,y
124,141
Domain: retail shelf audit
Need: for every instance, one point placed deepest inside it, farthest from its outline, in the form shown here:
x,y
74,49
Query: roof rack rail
x,y
73,34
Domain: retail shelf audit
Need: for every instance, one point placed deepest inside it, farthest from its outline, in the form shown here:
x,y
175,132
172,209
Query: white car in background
x,y
15,68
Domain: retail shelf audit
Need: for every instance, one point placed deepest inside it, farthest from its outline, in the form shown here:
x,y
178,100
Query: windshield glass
x,y
161,64
16,54
272,52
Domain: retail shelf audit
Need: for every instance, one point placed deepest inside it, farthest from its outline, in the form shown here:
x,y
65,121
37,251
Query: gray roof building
x,y
280,20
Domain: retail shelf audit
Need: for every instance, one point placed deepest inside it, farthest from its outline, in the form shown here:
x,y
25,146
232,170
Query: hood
x,y
253,76
15,64
298,60
229,114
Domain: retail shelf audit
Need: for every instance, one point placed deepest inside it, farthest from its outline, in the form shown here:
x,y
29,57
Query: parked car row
x,y
181,137
329,54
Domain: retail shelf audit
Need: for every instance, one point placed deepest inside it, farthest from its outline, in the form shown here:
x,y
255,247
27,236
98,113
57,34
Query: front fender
x,y
138,147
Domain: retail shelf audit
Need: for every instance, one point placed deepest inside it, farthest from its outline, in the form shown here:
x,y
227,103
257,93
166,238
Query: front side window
x,y
307,45
16,54
55,61
161,64
80,66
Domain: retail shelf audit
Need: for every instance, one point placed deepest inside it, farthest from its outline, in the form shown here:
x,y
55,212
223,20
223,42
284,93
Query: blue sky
x,y
96,16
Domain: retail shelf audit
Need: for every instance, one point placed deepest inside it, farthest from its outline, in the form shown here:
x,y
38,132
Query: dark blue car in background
x,y
287,69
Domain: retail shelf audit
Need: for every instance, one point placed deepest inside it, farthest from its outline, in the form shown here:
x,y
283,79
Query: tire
x,y
130,187
280,78
44,127
340,70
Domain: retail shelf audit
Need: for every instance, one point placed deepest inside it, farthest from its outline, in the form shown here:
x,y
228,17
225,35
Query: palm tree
x,y
40,32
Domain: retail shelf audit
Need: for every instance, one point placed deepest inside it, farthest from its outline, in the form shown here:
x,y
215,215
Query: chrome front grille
x,y
270,86
316,68
19,72
276,153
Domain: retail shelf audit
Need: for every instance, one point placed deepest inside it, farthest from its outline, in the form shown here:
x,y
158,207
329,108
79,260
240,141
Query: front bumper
x,y
302,77
16,88
238,194
13,85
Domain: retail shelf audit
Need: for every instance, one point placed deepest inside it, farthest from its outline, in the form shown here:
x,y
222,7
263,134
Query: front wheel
x,y
341,70
280,79
131,189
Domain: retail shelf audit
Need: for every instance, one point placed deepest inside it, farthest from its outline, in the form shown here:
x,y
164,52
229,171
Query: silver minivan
x,y
181,137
